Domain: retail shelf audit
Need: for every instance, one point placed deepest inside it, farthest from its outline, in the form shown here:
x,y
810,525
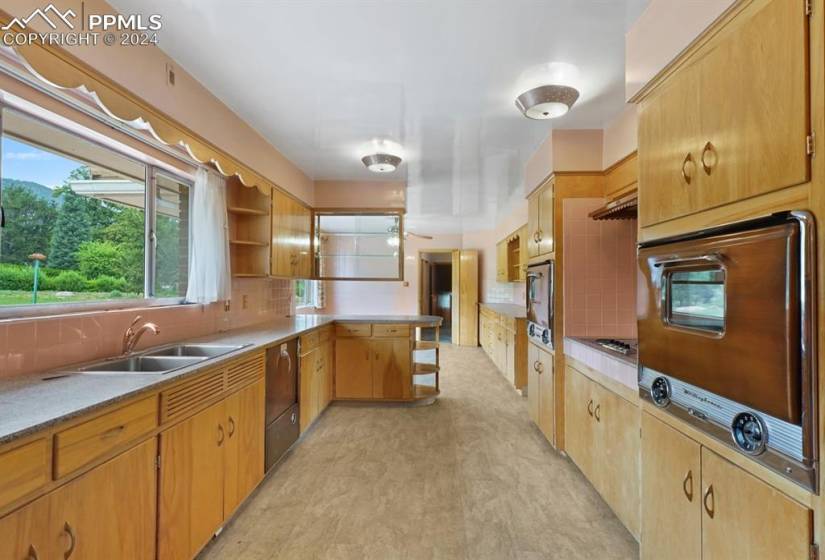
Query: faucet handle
x,y
135,321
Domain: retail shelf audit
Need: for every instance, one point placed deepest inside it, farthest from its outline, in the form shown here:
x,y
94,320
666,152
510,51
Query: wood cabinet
x,y
291,255
504,339
249,229
316,376
511,257
540,390
109,512
208,464
373,368
353,368
602,438
540,211
732,122
696,504
501,261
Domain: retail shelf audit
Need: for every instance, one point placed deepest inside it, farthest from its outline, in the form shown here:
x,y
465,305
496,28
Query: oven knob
x,y
749,433
545,336
532,330
660,392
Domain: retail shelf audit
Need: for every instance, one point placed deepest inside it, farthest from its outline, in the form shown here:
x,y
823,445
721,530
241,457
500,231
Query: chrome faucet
x,y
131,336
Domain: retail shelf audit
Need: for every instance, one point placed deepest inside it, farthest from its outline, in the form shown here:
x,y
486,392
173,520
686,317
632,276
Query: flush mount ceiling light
x,y
546,102
381,163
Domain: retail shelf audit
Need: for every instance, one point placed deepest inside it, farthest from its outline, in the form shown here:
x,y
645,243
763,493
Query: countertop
x,y
31,403
509,309
616,366
591,343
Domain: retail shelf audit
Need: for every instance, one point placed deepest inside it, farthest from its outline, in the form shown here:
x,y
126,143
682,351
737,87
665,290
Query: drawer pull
x,y
709,499
113,431
685,175
32,553
596,413
708,149
221,436
590,407
687,485
231,426
72,541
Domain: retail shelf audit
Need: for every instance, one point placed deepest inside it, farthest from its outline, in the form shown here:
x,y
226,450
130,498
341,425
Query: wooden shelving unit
x,y
422,392
249,230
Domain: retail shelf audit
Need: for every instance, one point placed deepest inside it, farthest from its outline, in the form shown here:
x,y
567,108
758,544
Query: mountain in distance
x,y
40,191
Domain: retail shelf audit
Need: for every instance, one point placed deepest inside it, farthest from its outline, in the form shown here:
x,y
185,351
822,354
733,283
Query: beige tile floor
x,y
467,478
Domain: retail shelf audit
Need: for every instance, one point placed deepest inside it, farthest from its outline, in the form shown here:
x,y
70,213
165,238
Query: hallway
x,y
469,477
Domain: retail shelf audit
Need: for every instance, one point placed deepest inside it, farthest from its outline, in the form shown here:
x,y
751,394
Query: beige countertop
x,y
33,402
509,309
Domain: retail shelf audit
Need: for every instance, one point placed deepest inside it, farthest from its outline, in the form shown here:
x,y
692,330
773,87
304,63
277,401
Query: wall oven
x,y
726,337
540,303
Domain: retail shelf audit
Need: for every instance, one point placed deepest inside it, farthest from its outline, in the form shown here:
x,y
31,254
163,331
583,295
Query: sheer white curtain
x,y
209,277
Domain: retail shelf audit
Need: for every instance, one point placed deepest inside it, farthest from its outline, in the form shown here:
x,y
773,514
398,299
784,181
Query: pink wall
x,y
664,29
564,150
142,70
44,343
358,194
620,136
600,273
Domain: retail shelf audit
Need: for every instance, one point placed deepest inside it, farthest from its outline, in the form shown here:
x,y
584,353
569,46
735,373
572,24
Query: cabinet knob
x,y
72,540
709,501
708,150
686,164
687,485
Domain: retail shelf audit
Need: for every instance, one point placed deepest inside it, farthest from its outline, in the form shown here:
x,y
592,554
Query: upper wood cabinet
x,y
540,221
511,257
733,122
501,261
291,255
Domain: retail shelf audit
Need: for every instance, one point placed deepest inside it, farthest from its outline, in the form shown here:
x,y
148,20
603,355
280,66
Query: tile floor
x,y
467,478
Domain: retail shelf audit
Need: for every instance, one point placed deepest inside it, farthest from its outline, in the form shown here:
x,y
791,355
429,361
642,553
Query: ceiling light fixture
x,y
547,102
381,163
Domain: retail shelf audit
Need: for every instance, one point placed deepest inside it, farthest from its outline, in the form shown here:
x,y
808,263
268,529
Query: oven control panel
x,y
749,433
540,335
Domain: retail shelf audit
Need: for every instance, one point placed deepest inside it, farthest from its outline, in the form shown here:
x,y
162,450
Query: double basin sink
x,y
160,360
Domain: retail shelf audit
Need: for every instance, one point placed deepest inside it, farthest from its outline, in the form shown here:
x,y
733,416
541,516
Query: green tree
x,y
29,223
126,231
99,258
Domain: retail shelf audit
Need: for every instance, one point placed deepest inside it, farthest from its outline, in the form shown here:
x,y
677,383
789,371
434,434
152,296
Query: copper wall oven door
x,y
725,311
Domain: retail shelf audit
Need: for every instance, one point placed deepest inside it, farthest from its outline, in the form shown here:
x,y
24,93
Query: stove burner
x,y
615,345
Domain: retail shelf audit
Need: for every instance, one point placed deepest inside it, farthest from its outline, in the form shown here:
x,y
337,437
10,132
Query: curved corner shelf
x,y
425,369
421,392
426,345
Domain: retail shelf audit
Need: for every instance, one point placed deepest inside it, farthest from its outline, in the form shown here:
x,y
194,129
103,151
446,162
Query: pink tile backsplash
x,y
44,343
599,273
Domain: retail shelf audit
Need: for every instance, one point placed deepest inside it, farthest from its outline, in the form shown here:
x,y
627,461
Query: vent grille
x,y
242,372
622,209
187,397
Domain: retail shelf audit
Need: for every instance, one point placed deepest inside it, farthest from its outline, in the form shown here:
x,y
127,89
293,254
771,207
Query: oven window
x,y
696,299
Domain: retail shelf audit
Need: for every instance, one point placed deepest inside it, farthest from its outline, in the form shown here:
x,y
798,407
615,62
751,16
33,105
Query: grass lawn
x,y
18,297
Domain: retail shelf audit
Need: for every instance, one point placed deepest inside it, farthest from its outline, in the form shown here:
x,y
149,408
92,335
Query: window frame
x,y
312,286
705,324
149,229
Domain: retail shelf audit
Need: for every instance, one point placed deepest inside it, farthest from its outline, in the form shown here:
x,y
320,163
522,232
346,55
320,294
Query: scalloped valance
x,y
61,69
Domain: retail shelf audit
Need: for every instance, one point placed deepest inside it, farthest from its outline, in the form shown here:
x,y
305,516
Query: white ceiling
x,y
322,78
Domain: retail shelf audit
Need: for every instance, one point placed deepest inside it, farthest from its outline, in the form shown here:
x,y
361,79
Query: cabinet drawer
x,y
508,322
325,335
23,470
84,443
353,329
309,341
391,330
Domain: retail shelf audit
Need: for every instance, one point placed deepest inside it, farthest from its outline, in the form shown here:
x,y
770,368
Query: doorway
x,y
448,288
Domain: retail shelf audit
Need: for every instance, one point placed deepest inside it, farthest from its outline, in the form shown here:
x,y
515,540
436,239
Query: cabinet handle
x,y
221,436
685,175
708,149
72,540
113,431
710,509
688,483
541,235
536,236
535,366
540,367
590,407
32,553
596,413
231,426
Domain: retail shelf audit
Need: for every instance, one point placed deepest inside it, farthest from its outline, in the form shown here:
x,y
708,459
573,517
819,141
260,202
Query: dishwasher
x,y
281,424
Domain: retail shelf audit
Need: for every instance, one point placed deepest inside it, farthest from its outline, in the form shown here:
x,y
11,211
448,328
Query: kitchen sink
x,y
142,364
195,350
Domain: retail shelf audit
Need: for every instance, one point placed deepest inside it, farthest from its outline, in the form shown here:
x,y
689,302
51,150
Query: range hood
x,y
624,208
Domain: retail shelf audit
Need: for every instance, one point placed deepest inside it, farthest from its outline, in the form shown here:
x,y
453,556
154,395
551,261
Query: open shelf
x,y
425,369
425,345
425,391
249,230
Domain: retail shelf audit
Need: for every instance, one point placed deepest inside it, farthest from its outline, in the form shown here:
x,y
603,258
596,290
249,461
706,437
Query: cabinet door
x,y
547,408
533,202
326,375
755,106
579,421
308,389
353,368
533,384
281,235
668,134
110,512
391,368
510,356
617,453
501,261
304,237
244,453
499,351
671,499
191,483
522,254
745,518
546,223
26,534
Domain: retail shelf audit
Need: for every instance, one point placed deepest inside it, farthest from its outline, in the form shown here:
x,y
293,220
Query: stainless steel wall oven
x,y
540,303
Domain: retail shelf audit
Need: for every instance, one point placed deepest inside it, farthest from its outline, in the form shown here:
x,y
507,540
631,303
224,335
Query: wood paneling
x,y
622,177
353,370
186,397
671,493
23,470
245,370
468,298
83,444
244,453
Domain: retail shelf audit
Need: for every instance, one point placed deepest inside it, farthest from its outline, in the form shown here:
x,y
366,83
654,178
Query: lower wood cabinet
x,y
540,390
209,463
696,504
109,512
602,438
504,339
373,368
316,382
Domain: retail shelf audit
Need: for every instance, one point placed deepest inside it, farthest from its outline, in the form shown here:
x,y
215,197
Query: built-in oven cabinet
x,y
732,122
541,394
697,505
540,221
602,438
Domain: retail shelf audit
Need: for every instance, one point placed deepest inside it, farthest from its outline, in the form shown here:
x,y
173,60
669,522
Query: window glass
x,y
172,237
358,246
696,299
305,293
